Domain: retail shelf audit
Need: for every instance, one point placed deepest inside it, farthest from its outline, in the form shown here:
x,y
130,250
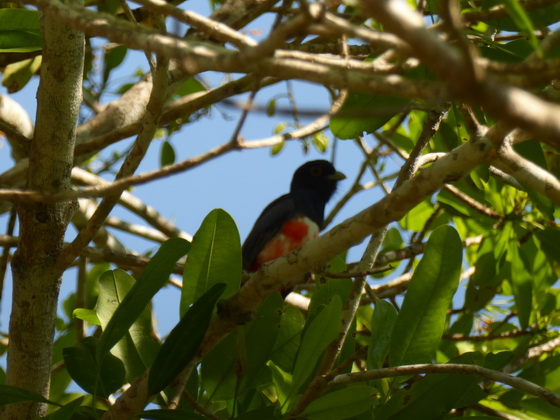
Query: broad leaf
x,y
183,341
260,335
317,336
67,411
153,278
137,349
12,394
421,321
19,30
435,395
215,258
98,376
341,404
169,415
522,284
364,113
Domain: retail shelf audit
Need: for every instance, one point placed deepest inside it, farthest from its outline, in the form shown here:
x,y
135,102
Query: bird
x,y
292,219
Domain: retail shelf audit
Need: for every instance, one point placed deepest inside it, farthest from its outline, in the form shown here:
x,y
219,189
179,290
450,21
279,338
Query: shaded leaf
x,y
183,341
364,112
113,58
17,75
138,347
435,395
420,323
153,278
215,257
169,415
100,376
382,322
317,336
167,155
260,335
19,30
522,284
522,21
483,285
12,394
341,404
67,411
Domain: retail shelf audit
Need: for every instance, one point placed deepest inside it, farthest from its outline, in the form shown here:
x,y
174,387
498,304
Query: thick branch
x,y
42,226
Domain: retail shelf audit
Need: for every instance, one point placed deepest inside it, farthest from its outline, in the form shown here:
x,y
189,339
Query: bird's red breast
x,y
293,234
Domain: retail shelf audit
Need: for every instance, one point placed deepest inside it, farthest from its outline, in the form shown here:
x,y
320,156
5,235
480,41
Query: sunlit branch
x,y
450,368
134,204
154,110
213,28
528,173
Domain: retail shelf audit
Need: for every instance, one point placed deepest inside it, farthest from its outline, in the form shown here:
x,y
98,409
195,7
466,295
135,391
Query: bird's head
x,y
318,176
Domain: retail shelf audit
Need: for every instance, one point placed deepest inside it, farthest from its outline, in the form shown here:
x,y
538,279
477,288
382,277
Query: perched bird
x,y
292,219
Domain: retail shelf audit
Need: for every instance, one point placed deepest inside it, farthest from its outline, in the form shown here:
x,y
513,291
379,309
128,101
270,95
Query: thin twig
x,y
450,368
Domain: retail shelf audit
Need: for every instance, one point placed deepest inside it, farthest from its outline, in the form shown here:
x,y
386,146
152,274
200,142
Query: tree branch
x,y
36,282
453,369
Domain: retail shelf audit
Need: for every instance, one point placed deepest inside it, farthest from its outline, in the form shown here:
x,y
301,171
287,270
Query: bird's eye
x,y
316,171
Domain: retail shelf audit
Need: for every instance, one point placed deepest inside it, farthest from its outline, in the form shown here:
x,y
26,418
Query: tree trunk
x,y
43,225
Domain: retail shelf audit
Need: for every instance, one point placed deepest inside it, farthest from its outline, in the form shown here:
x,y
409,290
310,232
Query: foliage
x,y
471,261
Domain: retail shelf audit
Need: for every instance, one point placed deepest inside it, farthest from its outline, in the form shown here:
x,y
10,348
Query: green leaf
x,y
550,243
137,349
153,278
19,30
324,293
167,155
382,323
416,218
169,415
17,75
317,336
320,141
268,413
260,335
522,21
522,284
341,404
364,112
215,258
271,107
282,382
217,369
98,376
183,341
279,128
67,411
277,148
88,315
435,395
289,338
483,285
12,394
190,86
113,58
421,321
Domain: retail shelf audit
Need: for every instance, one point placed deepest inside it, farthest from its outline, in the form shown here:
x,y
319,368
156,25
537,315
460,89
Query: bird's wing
x,y
268,224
